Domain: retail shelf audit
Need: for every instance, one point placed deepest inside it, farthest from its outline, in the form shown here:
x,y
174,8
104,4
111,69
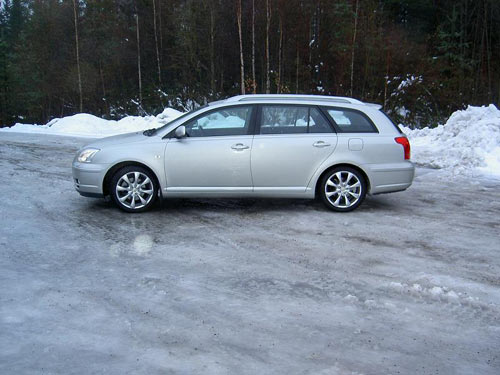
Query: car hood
x,y
119,139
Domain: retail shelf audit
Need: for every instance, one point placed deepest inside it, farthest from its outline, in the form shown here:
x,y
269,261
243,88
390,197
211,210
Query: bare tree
x,y
297,71
160,26
75,11
138,54
268,24
280,52
386,81
253,49
356,13
488,49
101,75
242,63
156,43
212,46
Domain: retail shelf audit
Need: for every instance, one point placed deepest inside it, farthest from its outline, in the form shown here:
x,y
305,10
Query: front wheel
x,y
343,189
133,189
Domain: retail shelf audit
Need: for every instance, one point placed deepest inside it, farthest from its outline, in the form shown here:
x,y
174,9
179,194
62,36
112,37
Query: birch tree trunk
x,y
156,43
354,45
242,63
75,11
160,25
212,48
268,24
101,74
253,49
280,51
138,55
386,83
488,50
297,71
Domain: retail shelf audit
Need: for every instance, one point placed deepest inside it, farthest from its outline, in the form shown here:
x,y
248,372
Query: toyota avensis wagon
x,y
279,146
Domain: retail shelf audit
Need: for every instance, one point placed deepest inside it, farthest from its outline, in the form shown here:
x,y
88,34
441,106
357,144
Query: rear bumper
x,y
389,178
88,179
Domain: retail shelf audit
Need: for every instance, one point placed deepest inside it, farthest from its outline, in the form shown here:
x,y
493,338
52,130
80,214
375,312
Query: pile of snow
x,y
468,143
85,125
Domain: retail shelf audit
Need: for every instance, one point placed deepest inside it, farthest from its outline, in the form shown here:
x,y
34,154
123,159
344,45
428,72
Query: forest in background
x,y
420,59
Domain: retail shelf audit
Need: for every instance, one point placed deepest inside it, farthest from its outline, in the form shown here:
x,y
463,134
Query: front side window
x,y
349,121
282,119
224,121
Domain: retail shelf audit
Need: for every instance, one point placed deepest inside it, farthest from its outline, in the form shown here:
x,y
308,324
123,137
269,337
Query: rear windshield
x,y
392,122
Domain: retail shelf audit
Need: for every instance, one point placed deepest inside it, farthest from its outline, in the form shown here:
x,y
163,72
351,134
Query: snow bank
x,y
85,125
468,143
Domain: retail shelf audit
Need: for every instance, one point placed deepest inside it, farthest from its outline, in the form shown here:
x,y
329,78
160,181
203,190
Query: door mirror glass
x,y
180,132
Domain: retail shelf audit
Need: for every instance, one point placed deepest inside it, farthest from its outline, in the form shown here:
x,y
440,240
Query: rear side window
x,y
282,119
350,121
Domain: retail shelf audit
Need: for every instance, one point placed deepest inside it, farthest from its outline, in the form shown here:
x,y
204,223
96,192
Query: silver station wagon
x,y
276,146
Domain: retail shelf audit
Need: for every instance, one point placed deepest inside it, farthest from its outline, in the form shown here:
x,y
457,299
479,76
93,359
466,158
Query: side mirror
x,y
180,132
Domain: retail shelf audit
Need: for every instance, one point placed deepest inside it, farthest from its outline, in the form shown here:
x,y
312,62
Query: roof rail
x,y
251,97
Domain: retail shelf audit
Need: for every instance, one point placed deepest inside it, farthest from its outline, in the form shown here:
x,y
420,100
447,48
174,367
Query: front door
x,y
214,157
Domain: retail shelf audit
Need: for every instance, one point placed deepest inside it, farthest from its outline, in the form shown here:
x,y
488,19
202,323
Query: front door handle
x,y
239,147
321,144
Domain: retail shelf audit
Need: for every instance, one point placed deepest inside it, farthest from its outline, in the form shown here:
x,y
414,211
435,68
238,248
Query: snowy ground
x,y
409,283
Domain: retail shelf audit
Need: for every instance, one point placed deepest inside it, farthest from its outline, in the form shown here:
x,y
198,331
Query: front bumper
x,y
88,178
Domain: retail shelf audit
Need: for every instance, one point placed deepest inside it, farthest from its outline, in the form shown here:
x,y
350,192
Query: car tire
x,y
343,189
133,189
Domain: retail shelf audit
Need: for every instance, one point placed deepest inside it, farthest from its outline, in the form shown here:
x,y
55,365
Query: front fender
x,y
148,154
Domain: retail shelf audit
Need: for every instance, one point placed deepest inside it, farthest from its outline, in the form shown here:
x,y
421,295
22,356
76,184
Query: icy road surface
x,y
409,283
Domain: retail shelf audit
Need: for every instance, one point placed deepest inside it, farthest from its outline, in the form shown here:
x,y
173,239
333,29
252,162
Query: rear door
x,y
290,143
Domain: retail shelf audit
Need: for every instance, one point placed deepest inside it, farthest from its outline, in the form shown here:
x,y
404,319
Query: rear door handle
x,y
239,147
321,144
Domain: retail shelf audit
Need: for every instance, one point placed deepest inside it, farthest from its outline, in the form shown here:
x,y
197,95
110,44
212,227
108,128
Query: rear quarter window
x,y
350,121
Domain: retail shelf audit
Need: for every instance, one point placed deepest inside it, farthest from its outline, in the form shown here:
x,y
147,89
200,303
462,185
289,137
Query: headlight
x,y
86,155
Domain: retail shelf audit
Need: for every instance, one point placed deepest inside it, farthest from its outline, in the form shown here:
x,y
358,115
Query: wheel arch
x,y
111,171
353,166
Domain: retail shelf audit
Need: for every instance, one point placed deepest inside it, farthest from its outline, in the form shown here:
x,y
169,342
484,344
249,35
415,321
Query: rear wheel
x,y
343,189
133,189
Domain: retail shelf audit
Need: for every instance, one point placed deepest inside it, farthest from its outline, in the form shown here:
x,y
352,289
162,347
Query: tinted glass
x,y
350,121
227,121
318,123
280,119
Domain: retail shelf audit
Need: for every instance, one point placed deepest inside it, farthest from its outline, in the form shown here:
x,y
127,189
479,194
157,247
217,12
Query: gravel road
x,y
407,284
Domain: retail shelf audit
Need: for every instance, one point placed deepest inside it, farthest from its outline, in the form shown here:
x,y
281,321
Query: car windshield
x,y
180,118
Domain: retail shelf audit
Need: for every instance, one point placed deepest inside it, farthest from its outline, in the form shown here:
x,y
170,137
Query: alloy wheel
x,y
134,190
343,189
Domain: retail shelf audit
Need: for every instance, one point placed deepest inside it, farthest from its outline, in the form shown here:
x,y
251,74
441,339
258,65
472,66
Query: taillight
x,y
403,141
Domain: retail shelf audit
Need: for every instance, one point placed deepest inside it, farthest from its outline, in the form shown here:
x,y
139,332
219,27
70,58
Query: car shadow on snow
x,y
231,204
380,204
